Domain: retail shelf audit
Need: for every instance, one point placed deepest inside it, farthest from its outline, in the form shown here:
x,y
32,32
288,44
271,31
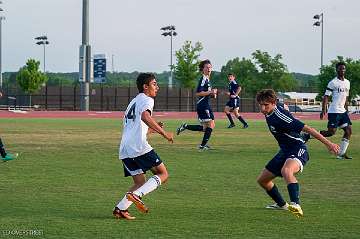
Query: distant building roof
x,y
297,95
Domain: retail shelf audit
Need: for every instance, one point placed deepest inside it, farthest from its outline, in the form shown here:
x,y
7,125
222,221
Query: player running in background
x,y
338,116
292,156
234,102
6,156
135,152
203,108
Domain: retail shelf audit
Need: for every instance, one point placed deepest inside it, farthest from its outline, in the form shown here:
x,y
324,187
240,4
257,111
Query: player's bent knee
x,y
287,172
266,185
263,183
163,177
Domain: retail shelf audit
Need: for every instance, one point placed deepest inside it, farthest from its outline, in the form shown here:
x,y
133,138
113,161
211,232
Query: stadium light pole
x,y
1,75
320,22
42,40
170,31
85,60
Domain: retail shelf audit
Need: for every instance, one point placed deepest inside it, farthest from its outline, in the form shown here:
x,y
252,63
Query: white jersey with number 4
x,y
134,141
339,89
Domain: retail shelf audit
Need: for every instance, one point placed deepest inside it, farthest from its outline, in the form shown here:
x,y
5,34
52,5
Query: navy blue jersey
x,y
280,104
286,129
203,85
233,87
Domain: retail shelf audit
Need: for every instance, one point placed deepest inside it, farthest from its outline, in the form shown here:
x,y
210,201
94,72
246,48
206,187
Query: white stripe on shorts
x,y
134,172
299,162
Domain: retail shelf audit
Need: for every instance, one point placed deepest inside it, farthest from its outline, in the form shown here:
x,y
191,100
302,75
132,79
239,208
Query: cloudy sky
x,y
129,30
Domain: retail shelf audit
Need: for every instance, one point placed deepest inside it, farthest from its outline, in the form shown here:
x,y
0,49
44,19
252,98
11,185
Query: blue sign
x,y
99,70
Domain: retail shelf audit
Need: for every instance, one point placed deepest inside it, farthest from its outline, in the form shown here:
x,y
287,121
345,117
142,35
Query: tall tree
x,y
186,69
328,72
29,77
272,72
262,71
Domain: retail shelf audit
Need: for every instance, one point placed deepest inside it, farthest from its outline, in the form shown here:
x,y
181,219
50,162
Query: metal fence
x,y
111,99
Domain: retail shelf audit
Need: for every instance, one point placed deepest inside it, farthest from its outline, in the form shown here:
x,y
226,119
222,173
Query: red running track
x,y
118,114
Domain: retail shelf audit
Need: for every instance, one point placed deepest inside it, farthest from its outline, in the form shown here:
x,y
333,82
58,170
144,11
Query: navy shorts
x,y
141,164
338,120
275,164
233,103
205,114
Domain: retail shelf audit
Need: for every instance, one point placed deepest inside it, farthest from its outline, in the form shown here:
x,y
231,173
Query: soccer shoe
x,y
204,147
245,126
295,209
9,156
181,128
119,214
343,157
275,206
138,203
231,126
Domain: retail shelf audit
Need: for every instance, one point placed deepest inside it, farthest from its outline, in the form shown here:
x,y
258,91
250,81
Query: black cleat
x,y
343,157
122,214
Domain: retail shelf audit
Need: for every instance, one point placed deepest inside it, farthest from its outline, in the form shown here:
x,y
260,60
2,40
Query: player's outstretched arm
x,y
153,125
333,148
150,130
324,106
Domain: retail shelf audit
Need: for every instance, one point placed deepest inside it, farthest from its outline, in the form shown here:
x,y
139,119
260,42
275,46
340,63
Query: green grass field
x,y
68,179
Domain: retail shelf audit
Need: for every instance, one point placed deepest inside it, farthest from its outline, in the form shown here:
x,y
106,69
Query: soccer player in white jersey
x,y
135,152
338,116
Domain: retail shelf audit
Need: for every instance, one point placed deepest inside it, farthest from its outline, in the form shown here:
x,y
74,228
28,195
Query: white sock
x,y
149,186
124,203
343,146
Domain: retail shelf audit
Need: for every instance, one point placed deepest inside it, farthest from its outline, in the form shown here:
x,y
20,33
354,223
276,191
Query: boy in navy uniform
x,y
293,154
234,102
203,108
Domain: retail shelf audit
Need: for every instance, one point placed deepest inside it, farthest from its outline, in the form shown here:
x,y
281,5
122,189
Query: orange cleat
x,y
138,203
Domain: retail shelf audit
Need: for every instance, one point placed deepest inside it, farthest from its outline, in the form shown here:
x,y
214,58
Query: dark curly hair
x,y
203,63
144,78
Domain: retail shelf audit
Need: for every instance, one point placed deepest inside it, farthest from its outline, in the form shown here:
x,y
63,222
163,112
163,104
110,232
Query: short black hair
x,y
203,63
339,64
144,78
231,74
266,95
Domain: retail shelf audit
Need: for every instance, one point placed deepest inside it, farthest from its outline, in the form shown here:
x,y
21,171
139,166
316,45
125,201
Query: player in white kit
x,y
135,152
338,116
